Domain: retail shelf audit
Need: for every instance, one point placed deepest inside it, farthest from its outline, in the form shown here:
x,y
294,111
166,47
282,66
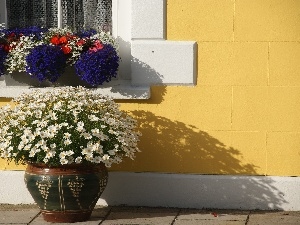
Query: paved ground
x,y
29,214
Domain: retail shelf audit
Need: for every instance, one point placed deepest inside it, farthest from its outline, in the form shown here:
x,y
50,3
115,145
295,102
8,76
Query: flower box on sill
x,y
37,57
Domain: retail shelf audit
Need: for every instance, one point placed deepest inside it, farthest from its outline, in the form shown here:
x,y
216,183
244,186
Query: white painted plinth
x,y
180,190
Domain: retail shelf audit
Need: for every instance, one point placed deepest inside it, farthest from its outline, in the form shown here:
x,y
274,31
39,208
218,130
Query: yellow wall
x,y
4,165
243,116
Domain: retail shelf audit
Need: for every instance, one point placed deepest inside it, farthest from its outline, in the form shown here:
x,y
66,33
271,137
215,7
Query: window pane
x,y
76,14
84,14
24,13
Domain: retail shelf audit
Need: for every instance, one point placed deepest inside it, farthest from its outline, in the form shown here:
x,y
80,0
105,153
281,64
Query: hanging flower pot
x,y
66,193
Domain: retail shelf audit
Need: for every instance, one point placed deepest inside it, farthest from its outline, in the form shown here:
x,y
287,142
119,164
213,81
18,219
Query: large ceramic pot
x,y
66,193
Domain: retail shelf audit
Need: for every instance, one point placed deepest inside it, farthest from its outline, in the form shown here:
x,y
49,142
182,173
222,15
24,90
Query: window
x,y
147,58
75,14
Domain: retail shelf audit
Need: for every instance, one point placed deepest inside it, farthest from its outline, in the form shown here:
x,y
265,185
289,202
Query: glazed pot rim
x,y
42,168
45,165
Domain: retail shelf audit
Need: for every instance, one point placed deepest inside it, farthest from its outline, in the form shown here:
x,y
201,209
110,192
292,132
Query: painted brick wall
x,y
249,55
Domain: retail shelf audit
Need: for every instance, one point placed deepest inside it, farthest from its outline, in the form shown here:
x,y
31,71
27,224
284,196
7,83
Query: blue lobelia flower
x,y
97,67
46,62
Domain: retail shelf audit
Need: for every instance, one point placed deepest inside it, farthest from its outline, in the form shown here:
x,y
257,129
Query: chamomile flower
x,y
64,126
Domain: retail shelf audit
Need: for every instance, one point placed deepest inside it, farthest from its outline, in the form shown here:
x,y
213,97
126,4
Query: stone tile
x,y
274,218
216,215
97,216
141,216
199,217
15,223
40,220
17,216
207,222
144,209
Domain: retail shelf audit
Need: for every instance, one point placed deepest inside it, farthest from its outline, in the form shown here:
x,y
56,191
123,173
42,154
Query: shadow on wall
x,y
171,146
149,75
141,71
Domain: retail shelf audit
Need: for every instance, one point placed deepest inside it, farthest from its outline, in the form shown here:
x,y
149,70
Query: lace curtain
x,y
76,14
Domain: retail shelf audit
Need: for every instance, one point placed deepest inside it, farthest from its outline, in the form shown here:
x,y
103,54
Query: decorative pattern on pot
x,y
66,193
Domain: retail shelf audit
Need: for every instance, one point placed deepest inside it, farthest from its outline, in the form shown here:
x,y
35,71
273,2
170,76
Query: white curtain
x,y
76,14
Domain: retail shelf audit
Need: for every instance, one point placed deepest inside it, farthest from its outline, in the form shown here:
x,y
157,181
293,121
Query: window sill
x,y
117,89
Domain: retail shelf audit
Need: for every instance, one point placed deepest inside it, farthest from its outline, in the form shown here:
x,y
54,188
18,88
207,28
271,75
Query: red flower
x,y
96,46
66,49
63,40
11,36
6,48
73,37
54,40
80,42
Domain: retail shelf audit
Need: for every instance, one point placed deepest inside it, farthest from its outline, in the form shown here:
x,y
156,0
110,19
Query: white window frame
x,y
147,57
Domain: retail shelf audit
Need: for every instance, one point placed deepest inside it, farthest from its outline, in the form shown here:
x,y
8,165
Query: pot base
x,y
66,216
